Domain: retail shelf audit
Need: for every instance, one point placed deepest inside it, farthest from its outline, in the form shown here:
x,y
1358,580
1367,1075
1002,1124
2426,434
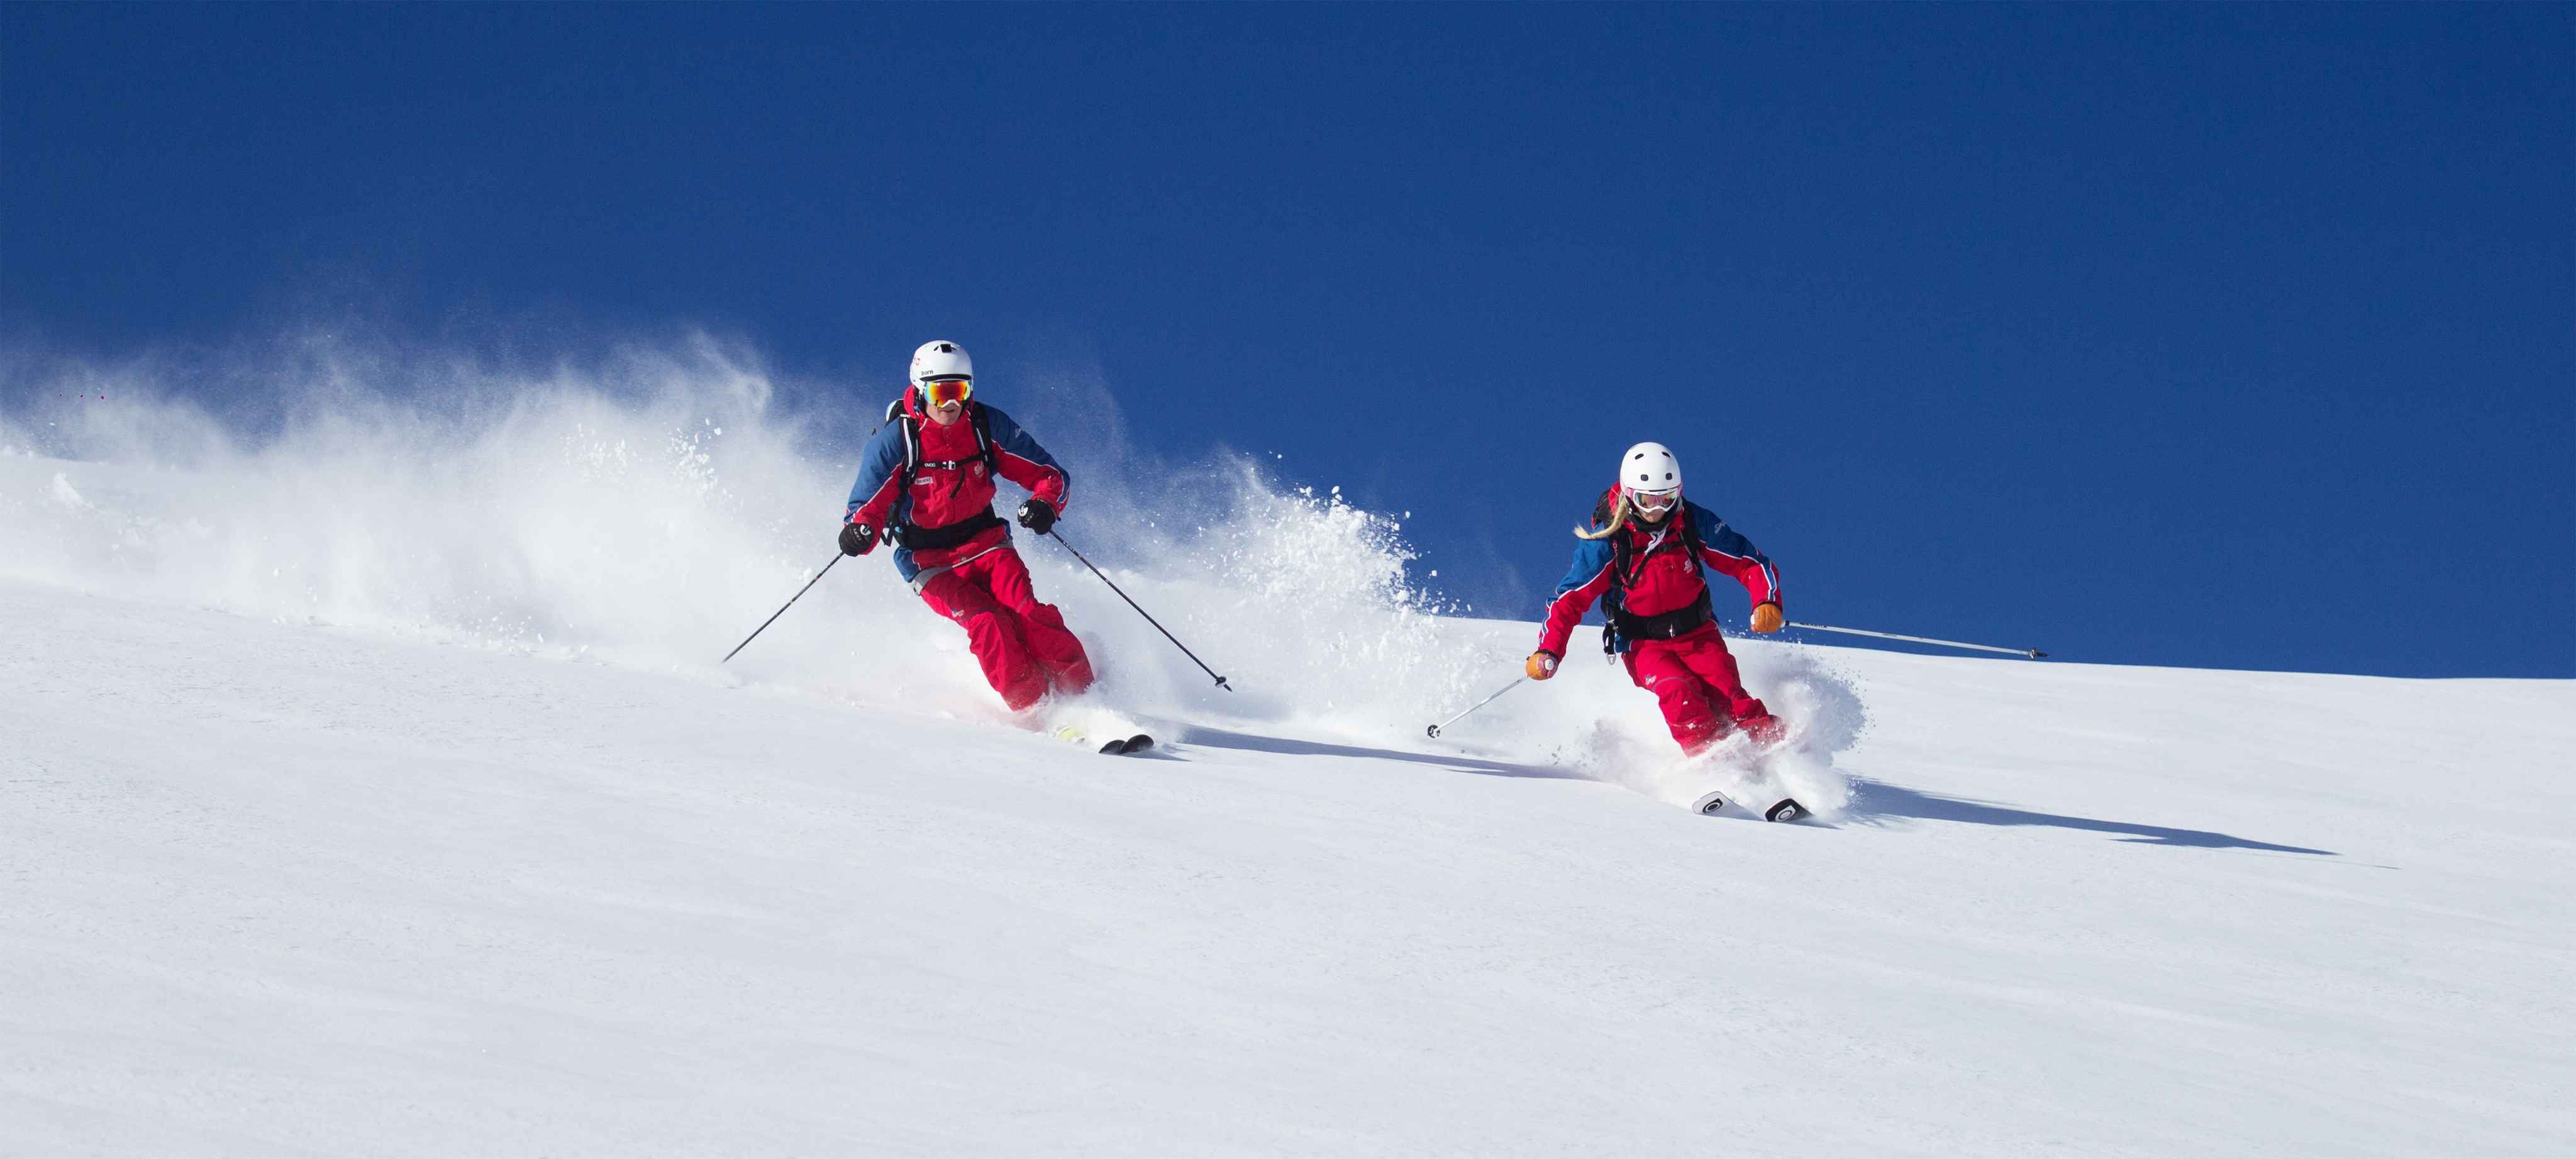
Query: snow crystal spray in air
x,y
629,504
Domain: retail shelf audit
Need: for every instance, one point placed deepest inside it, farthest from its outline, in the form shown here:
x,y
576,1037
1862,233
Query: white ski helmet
x,y
940,358
1651,469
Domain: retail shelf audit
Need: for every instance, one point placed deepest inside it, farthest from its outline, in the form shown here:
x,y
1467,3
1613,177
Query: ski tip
x,y
1113,748
1787,810
1709,804
1139,743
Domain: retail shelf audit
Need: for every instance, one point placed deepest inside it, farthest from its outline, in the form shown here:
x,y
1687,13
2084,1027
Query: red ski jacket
x,y
947,483
1662,577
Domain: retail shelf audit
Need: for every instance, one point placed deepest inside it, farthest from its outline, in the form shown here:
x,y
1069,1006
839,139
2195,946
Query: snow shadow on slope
x,y
1880,799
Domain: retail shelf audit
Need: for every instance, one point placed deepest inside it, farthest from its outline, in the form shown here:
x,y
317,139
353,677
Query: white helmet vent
x,y
1650,467
941,358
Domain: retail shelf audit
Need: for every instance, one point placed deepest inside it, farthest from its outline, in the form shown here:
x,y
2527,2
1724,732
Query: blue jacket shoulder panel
x,y
881,468
1590,556
879,462
1714,533
1021,460
1728,551
1010,438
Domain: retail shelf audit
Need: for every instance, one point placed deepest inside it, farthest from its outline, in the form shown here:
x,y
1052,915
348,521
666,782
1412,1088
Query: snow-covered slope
x,y
283,889
362,802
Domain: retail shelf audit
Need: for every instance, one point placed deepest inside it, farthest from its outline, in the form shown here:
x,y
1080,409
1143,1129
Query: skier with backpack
x,y
926,486
1645,556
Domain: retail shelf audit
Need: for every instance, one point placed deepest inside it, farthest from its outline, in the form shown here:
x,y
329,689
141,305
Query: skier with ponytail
x,y
1644,556
926,485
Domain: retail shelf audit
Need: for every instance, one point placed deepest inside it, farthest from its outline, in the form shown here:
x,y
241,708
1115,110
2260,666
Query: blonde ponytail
x,y
1618,519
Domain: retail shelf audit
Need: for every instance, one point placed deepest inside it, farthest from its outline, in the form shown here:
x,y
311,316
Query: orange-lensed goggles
x,y
942,391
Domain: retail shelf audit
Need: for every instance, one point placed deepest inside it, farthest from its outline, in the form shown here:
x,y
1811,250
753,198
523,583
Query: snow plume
x,y
650,504
1302,598
1625,741
613,507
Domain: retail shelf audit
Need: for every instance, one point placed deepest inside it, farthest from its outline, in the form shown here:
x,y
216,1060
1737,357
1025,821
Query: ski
x,y
1786,809
1115,746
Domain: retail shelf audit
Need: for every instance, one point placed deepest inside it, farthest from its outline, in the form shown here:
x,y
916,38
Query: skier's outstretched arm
x,y
1725,550
1021,460
872,498
1575,594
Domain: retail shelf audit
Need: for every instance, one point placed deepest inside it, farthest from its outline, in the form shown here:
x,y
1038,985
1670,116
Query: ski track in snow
x,y
327,833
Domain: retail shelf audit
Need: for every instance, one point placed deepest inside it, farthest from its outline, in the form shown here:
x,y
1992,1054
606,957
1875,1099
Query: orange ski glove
x,y
1766,618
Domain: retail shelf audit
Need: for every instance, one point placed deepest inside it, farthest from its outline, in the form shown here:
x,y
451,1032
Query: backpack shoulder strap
x,y
1692,543
1614,599
984,441
911,442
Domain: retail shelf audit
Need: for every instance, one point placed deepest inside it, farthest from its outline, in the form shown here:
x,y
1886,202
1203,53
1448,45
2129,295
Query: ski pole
x,y
2033,653
1149,618
782,610
1434,730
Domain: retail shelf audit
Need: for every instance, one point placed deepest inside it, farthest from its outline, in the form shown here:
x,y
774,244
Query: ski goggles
x,y
942,391
1654,502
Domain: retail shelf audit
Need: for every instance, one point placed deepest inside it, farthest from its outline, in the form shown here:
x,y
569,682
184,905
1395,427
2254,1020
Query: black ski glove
x,y
857,539
1037,516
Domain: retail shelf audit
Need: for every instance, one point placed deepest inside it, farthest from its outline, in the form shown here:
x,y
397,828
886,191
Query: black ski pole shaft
x,y
1149,617
1434,730
782,610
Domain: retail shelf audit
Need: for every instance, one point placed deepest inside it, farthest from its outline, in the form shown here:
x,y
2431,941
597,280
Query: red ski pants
x,y
1693,678
1022,644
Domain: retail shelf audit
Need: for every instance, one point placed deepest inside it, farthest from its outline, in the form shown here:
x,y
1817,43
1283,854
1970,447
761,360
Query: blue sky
x,y
2212,336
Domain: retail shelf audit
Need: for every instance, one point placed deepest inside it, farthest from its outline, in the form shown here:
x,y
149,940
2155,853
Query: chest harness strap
x,y
1627,564
915,537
